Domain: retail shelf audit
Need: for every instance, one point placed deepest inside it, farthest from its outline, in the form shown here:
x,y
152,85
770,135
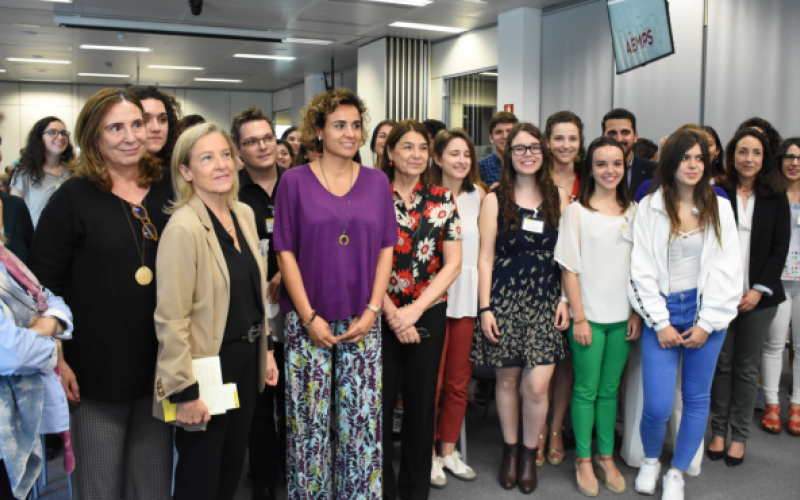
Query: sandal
x,y
614,485
554,456
772,425
540,451
794,425
586,489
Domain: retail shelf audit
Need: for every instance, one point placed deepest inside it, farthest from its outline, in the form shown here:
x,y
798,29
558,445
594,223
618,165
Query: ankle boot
x,y
527,469
508,471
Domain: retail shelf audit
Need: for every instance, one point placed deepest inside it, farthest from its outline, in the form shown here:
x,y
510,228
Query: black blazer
x,y
641,170
17,225
769,243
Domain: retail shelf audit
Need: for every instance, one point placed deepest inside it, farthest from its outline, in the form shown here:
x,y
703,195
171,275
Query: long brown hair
x,y
588,183
90,164
443,139
705,198
551,203
397,133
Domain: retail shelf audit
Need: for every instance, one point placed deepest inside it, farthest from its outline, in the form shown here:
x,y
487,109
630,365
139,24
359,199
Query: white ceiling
x,y
27,30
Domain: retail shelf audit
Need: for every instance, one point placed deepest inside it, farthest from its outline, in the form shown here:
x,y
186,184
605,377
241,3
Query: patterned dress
x,y
526,286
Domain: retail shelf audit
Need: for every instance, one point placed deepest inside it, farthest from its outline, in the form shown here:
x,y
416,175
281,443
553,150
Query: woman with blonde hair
x,y
211,295
96,247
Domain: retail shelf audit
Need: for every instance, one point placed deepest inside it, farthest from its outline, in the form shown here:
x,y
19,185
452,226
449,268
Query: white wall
x,y
519,64
372,85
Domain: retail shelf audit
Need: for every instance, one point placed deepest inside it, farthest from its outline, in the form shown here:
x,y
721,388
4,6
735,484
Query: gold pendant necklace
x,y
344,240
144,275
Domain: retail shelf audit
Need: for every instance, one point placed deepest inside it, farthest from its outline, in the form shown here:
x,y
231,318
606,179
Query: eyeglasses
x,y
535,149
53,133
148,229
251,143
790,158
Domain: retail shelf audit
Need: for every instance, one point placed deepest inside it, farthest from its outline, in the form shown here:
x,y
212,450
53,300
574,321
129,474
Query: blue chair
x,y
35,493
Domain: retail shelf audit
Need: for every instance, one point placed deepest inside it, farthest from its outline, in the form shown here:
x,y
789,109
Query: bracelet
x,y
483,310
313,316
579,322
564,299
375,309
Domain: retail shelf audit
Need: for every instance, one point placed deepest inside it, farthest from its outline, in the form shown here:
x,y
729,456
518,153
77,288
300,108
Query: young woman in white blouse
x,y
686,283
595,282
456,168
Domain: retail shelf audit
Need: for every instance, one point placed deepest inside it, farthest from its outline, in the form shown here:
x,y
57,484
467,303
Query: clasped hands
x,y
402,321
693,338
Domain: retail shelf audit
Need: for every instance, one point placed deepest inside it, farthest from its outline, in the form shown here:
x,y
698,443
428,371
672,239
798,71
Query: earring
x,y
391,164
320,138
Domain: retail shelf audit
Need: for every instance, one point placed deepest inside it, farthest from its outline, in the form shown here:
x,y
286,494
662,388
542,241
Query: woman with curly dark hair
x,y
162,120
773,136
43,167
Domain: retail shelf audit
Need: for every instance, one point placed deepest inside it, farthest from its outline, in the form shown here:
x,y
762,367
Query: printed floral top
x,y
791,271
429,220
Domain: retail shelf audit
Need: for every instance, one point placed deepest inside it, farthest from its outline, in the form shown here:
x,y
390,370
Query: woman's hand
x,y
69,381
562,316
489,327
46,327
272,370
192,412
749,301
694,337
359,328
634,327
408,336
404,318
274,288
582,333
669,337
320,332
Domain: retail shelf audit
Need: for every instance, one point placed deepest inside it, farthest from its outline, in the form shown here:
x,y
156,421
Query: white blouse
x,y
462,296
597,248
745,228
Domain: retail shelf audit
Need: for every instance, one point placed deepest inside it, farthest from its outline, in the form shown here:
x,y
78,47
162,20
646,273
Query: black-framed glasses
x,y
535,149
54,132
253,142
790,158
148,229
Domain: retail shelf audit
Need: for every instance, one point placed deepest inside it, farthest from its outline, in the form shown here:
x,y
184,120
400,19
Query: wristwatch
x,y
376,310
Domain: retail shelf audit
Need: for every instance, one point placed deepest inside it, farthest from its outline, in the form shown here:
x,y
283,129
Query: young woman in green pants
x,y
594,251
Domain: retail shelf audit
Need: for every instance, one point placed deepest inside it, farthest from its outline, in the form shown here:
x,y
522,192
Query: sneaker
x,y
457,467
438,479
397,421
673,486
648,476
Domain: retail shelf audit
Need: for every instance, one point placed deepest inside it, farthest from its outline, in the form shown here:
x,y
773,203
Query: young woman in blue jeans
x,y
686,282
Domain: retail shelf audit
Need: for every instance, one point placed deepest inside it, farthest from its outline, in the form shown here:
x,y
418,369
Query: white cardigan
x,y
719,285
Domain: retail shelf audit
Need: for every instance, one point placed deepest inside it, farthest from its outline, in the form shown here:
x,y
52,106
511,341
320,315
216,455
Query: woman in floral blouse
x,y
426,261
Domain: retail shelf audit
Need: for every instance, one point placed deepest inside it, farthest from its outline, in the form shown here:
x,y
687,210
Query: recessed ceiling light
x,y
413,3
115,47
224,80
58,1
105,75
36,60
259,56
2,71
42,80
489,73
186,68
21,25
428,27
311,41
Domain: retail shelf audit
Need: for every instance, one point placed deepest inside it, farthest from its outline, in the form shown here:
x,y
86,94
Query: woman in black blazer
x,y
761,208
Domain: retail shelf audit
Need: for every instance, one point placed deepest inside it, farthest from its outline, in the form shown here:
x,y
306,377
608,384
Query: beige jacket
x,y
193,295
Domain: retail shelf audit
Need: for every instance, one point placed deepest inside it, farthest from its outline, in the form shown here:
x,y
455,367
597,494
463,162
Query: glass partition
x,y
469,103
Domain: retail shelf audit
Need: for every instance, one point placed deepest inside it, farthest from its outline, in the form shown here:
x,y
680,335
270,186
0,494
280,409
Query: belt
x,y
253,333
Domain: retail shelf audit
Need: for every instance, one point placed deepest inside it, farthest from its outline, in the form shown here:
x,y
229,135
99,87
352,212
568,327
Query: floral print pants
x,y
333,415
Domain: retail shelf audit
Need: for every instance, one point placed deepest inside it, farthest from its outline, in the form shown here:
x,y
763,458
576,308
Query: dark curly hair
x,y
771,134
173,108
769,181
35,156
318,109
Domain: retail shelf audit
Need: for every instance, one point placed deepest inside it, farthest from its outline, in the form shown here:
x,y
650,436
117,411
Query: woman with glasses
x,y
43,167
96,247
519,291
788,159
427,259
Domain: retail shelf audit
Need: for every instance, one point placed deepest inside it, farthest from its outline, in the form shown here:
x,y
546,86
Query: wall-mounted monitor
x,y
641,32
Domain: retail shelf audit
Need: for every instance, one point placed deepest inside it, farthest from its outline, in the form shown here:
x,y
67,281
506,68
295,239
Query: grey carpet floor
x,y
771,470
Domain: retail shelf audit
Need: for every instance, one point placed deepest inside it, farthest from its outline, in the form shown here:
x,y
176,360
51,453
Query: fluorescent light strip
x,y
105,75
259,56
186,68
2,71
223,80
58,1
114,47
428,27
34,60
489,74
42,80
311,41
413,3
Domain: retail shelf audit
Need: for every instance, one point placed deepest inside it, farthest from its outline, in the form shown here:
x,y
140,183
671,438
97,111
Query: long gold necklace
x,y
343,239
144,275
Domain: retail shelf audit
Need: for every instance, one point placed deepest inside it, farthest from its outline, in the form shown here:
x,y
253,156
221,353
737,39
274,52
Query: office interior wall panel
x,y
407,82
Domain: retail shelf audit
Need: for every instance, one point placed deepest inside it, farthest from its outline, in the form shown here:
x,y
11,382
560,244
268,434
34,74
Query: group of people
x,y
322,289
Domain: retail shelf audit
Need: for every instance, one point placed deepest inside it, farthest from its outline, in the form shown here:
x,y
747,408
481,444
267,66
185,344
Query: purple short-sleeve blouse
x,y
338,279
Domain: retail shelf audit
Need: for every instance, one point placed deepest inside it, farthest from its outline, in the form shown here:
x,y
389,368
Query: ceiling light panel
x,y
58,1
412,3
259,56
42,80
221,80
114,47
428,27
310,41
183,68
105,75
36,60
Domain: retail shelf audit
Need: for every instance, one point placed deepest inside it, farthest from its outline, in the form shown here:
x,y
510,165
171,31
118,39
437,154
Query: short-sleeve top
x,y
422,228
337,278
36,196
791,270
462,296
603,275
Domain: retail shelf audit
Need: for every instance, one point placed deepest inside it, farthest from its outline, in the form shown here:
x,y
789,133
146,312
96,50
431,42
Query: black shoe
x,y
733,462
264,494
715,455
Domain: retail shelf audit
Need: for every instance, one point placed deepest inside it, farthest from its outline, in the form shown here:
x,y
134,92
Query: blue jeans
x,y
659,373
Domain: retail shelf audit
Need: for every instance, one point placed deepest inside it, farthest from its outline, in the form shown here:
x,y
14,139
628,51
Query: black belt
x,y
253,333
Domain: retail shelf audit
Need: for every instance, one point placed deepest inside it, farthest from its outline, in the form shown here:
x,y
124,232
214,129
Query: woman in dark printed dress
x,y
519,287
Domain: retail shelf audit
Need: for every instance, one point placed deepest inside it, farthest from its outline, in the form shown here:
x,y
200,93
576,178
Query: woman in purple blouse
x,y
334,232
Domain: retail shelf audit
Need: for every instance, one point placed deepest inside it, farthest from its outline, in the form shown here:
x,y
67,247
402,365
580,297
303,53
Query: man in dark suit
x,y
620,124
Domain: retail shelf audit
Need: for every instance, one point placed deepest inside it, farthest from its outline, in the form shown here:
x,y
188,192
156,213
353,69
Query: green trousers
x,y
598,368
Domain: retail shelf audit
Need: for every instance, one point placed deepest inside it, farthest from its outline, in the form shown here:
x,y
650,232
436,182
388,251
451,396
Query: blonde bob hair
x,y
182,155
